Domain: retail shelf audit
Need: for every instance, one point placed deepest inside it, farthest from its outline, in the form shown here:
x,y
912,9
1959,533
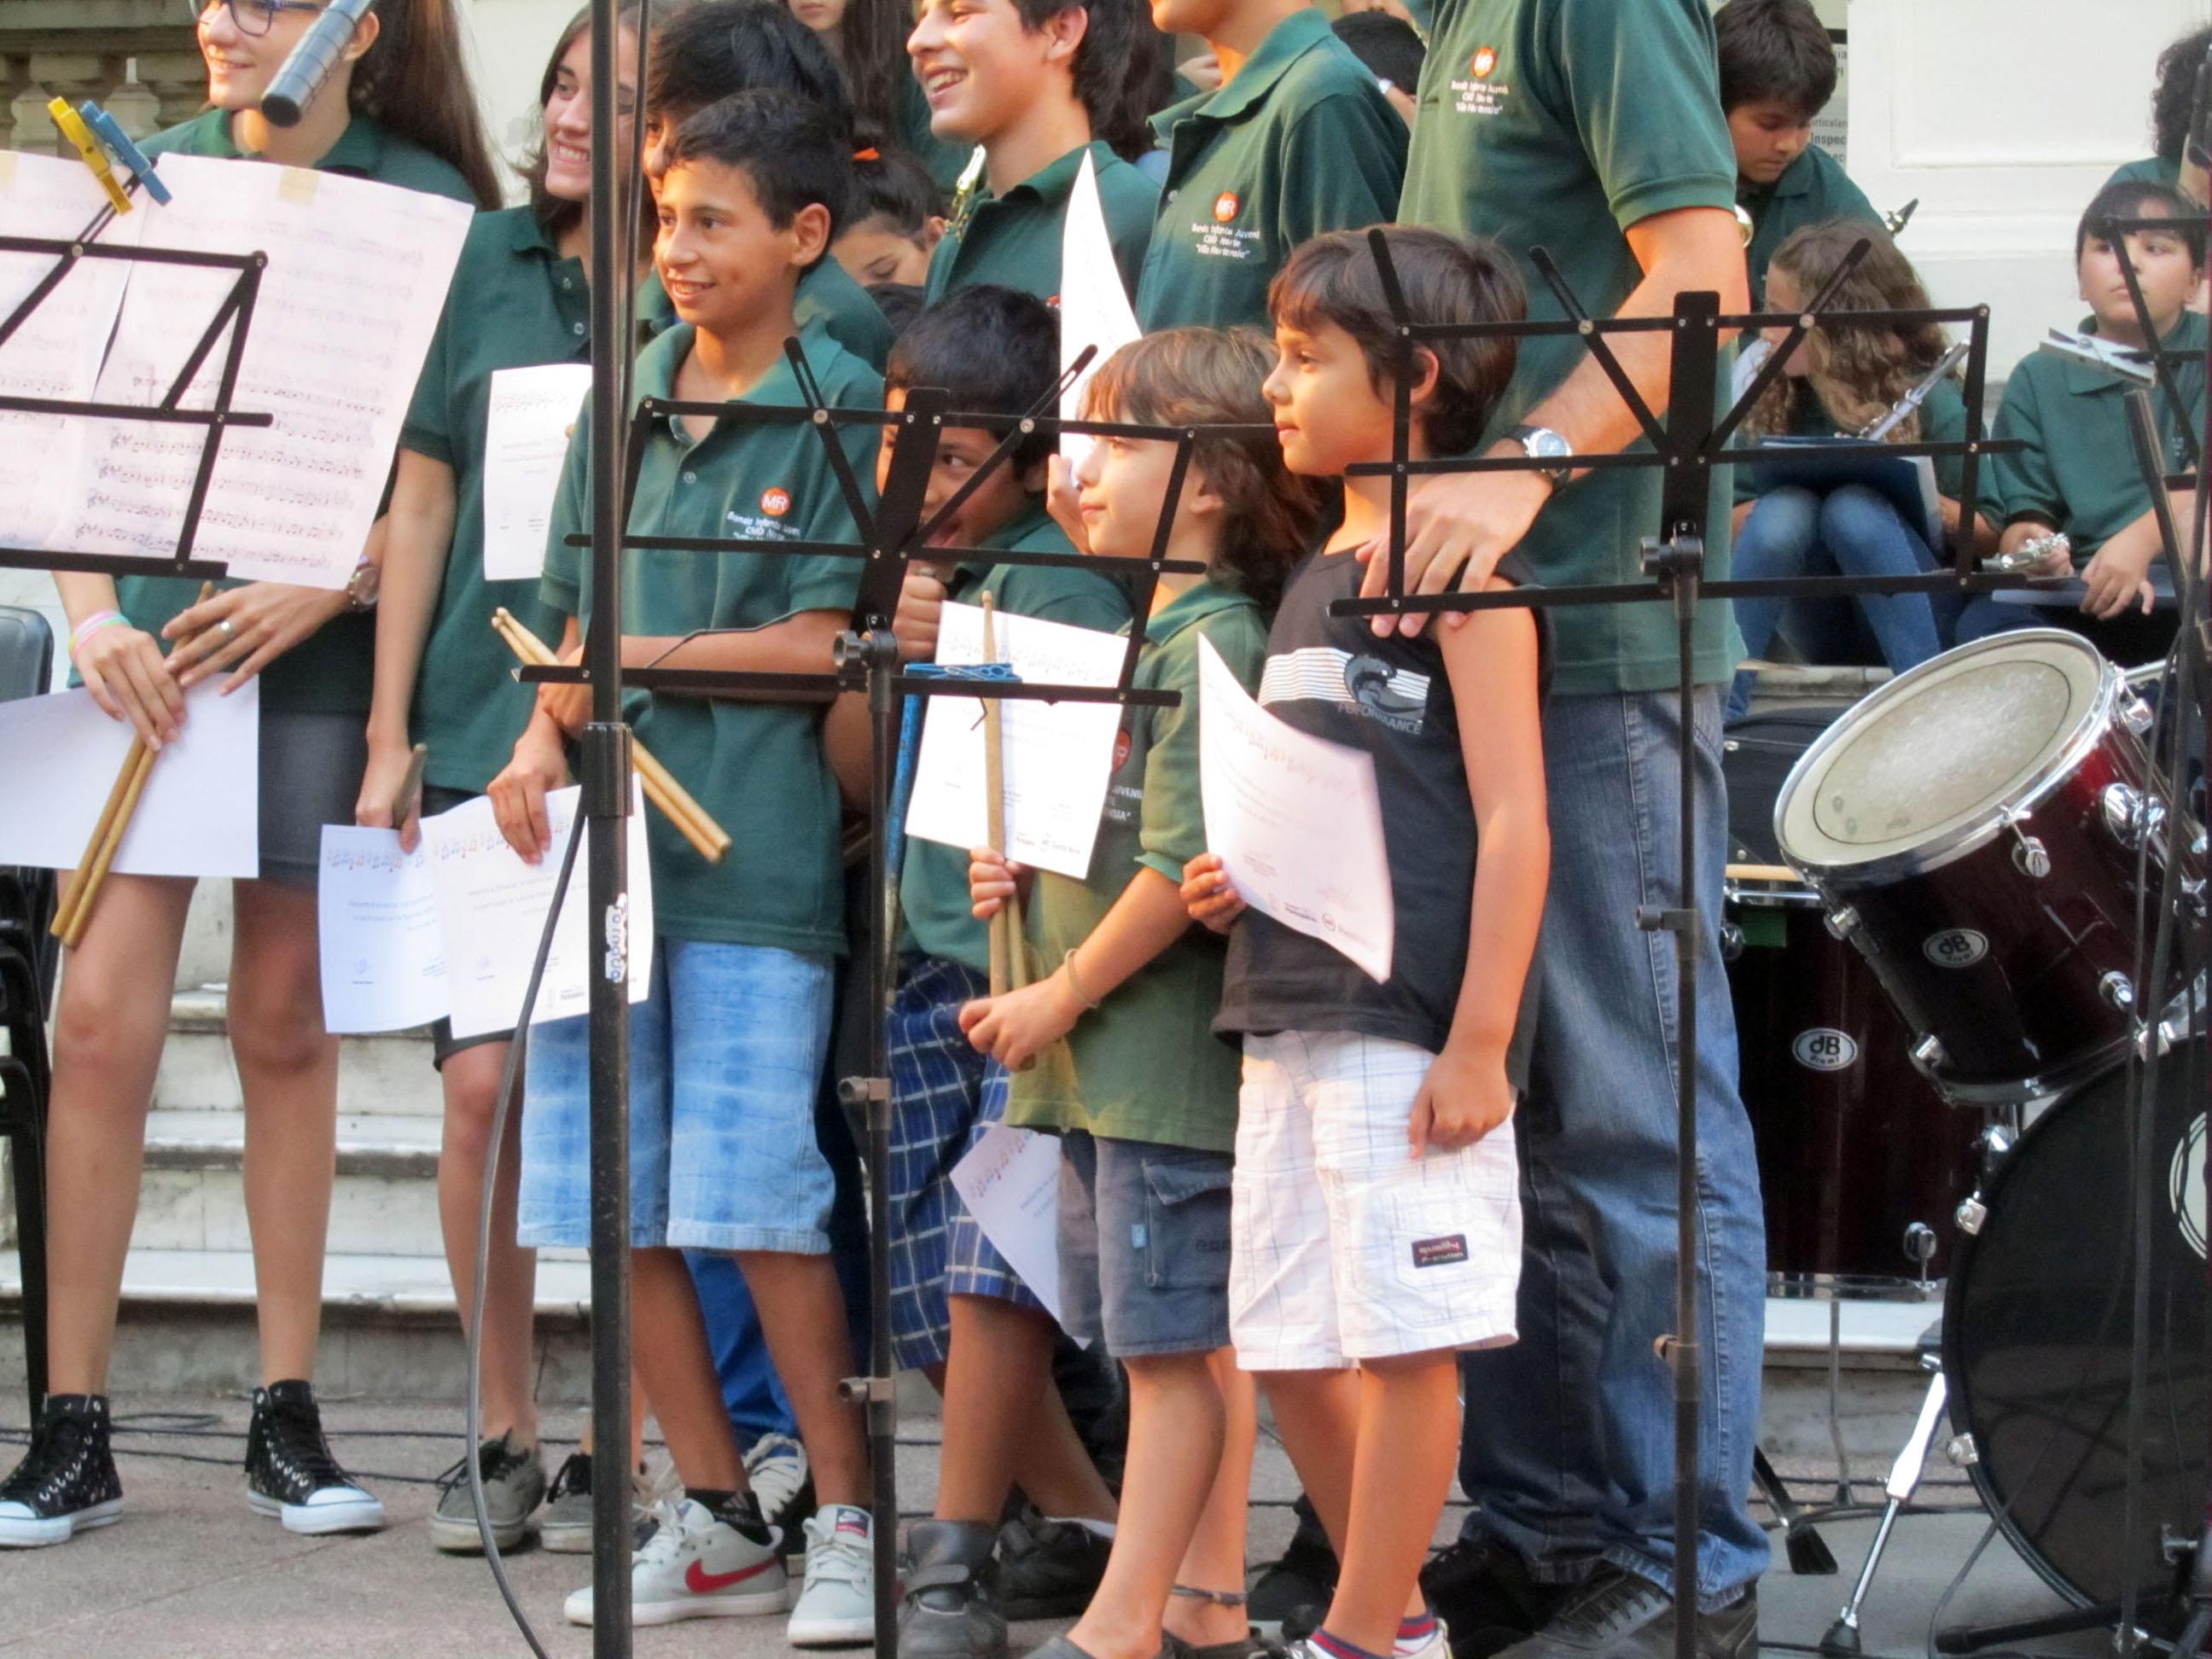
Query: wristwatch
x,y
361,586
1541,443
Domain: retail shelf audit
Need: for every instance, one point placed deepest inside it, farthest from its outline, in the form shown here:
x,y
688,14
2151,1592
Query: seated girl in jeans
x,y
1839,381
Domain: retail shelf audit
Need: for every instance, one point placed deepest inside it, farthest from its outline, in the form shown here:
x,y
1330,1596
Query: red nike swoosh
x,y
701,1582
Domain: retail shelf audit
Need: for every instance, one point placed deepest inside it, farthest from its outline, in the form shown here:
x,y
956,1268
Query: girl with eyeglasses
x,y
399,110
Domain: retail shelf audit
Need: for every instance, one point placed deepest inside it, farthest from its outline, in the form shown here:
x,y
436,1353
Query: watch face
x,y
1545,445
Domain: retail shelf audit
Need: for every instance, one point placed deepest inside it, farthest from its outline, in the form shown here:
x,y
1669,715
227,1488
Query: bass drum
x,y
2036,1329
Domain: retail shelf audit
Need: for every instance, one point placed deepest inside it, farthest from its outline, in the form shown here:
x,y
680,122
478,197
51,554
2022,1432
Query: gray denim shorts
x,y
1144,1245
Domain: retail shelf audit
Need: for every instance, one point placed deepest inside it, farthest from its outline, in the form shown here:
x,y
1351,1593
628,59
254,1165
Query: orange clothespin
x,y
95,156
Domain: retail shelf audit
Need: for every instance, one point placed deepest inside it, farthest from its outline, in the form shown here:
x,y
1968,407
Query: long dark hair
x,y
871,50
414,80
2171,100
554,214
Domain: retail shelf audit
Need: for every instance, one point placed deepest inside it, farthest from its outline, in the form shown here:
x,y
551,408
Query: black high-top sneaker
x,y
290,1471
66,1479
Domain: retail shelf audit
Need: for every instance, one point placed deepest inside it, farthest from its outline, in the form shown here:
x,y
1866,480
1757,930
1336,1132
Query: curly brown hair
x,y
1183,377
1857,372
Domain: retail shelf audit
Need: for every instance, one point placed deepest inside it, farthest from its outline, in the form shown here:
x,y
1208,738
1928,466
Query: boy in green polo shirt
x,y
2078,474
727,1051
1778,72
995,350
1036,83
1299,141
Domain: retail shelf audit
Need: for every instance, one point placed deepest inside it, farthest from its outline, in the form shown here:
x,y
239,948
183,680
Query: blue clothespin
x,y
117,143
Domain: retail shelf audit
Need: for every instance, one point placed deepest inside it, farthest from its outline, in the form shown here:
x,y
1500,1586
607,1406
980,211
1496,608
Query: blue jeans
x,y
1852,531
1568,1448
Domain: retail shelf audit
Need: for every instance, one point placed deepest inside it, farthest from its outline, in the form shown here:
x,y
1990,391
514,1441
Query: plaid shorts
x,y
943,1096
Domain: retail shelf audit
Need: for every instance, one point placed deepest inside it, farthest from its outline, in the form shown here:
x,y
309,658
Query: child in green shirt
x,y
726,1050
1117,1025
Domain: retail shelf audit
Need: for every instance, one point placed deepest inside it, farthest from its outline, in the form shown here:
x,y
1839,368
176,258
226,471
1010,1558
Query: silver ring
x,y
224,627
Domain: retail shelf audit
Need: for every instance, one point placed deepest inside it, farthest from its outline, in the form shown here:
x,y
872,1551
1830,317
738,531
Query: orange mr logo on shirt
x,y
1485,60
1225,207
775,501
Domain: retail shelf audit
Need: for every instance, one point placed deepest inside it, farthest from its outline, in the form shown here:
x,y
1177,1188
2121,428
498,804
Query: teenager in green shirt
x,y
727,1051
114,1007
1118,1020
1038,84
2078,474
1778,74
1298,140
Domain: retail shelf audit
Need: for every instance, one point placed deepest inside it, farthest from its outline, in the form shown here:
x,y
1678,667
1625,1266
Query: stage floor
x,y
191,1571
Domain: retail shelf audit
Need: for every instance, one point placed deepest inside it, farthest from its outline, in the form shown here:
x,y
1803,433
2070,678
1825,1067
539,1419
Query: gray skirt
x,y
311,772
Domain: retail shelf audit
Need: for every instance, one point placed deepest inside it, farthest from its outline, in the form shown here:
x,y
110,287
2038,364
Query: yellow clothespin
x,y
74,129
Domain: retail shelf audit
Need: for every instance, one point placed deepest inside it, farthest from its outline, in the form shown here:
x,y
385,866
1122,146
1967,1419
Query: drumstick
x,y
1763,872
708,838
74,910
409,792
994,817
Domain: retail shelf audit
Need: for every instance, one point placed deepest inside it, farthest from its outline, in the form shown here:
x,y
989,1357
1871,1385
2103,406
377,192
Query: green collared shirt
x,y
1812,190
1144,1064
1301,142
1014,240
2151,170
933,887
333,670
758,769
2078,471
1559,124
830,301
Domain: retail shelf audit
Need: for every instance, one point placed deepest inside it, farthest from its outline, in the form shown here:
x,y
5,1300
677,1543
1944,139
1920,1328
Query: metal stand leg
x,y
1835,1401
1843,1637
1809,1555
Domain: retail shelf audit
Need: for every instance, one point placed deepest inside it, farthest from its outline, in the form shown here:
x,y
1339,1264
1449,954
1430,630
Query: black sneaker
x,y
290,1471
1482,1589
1290,1595
947,1611
514,1485
1048,1569
1618,1615
67,1478
565,1527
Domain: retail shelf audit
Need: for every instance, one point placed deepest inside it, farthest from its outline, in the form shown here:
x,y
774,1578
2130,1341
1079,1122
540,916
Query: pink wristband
x,y
91,625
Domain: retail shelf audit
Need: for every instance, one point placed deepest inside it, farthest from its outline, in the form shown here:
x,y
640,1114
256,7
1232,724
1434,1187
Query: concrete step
x,y
389,1076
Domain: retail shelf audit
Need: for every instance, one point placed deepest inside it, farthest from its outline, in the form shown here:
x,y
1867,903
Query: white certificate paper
x,y
1010,1182
200,813
1094,306
1296,821
1058,756
384,959
491,909
526,430
356,278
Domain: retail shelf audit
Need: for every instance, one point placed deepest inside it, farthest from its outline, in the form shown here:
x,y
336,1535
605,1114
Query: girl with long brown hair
x,y
399,110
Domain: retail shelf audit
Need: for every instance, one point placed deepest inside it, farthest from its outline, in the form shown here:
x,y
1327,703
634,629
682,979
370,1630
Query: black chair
x,y
29,959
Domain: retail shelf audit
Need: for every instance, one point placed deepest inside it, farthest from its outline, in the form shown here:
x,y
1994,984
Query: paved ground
x,y
191,1572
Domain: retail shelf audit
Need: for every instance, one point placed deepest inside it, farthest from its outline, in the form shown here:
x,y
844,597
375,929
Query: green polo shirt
x,y
758,769
332,670
829,300
1143,1065
1942,421
1558,124
1812,190
933,887
942,158
2151,170
1014,240
2078,470
1301,142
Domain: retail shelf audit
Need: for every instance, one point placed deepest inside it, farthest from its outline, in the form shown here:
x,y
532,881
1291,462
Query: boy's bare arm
x,y
796,644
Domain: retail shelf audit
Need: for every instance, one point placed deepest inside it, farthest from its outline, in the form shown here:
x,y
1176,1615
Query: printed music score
x,y
526,428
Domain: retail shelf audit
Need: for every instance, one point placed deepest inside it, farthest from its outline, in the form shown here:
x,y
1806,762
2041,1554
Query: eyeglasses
x,y
259,16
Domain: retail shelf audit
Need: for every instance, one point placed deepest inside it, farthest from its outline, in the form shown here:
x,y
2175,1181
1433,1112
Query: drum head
x,y
2036,1336
1938,751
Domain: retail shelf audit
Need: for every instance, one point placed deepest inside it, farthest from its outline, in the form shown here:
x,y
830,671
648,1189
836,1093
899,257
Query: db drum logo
x,y
1955,947
1824,1049
1225,206
775,501
2184,1187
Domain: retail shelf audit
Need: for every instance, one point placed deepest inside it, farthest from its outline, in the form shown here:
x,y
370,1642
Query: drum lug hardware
x,y
2127,814
1962,1451
2028,852
1920,1249
1731,941
1971,1213
2117,989
1927,1054
2136,714
1842,923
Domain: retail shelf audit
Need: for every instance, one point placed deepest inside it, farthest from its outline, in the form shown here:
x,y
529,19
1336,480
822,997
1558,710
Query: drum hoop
x,y
2032,791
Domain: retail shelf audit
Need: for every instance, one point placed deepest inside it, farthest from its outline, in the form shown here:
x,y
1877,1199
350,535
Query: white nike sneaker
x,y
837,1605
696,1567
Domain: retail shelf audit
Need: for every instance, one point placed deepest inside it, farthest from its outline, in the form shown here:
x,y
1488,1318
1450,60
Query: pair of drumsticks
x,y
708,838
82,892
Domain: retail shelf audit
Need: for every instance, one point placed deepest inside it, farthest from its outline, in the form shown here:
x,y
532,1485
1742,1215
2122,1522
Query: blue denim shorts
x,y
725,1056
1144,1245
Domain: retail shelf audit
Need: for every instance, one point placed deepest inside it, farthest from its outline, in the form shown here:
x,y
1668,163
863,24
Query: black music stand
x,y
865,660
1690,441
